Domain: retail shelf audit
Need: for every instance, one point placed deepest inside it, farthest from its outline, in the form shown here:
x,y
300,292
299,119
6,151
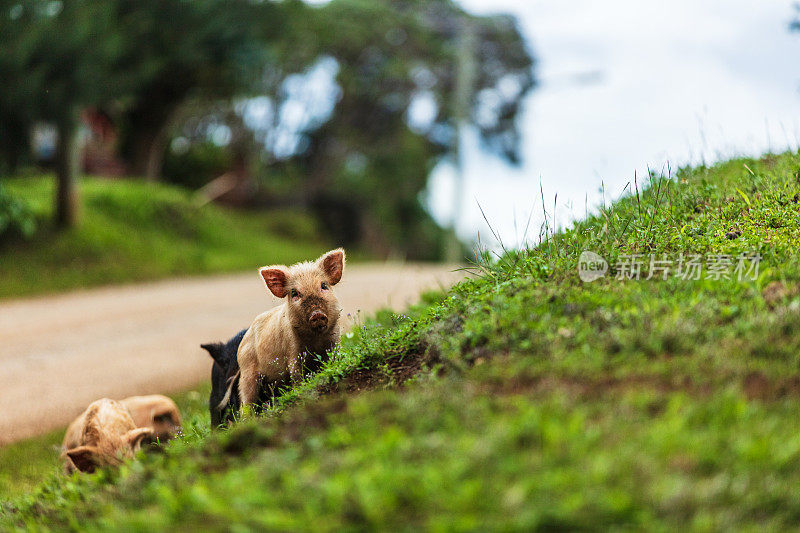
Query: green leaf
x,y
746,199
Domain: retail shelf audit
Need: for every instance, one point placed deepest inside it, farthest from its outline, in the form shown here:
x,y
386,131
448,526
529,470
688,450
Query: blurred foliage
x,y
366,166
357,149
196,165
16,218
202,48
137,57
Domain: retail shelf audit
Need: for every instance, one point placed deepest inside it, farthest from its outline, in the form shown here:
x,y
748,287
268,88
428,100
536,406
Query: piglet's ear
x,y
275,277
214,349
136,437
332,263
168,415
84,457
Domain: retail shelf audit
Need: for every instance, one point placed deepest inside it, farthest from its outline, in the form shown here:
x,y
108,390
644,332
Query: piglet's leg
x,y
248,387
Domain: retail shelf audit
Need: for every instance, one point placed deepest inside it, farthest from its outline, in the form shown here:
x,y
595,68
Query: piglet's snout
x,y
318,320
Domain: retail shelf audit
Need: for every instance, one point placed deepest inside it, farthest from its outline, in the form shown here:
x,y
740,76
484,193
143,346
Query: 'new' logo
x,y
591,266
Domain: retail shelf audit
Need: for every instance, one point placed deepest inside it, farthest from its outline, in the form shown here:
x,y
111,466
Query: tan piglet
x,y
103,435
286,339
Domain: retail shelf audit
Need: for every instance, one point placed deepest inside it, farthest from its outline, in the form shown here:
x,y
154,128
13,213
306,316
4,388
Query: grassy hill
x,y
134,231
525,398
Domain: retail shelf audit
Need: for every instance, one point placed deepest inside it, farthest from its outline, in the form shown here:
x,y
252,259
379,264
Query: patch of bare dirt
x,y
397,370
775,293
586,387
757,386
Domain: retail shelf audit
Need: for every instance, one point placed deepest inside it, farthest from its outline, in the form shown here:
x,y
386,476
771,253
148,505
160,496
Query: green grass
x,y
24,464
523,399
134,231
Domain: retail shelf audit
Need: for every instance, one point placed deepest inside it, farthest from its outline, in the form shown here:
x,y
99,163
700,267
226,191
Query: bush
x,y
196,165
16,217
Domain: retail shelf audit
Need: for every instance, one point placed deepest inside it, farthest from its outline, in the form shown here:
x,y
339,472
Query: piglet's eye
x,y
324,286
295,294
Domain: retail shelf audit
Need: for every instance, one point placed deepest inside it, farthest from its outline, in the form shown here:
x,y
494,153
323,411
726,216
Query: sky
x,y
627,85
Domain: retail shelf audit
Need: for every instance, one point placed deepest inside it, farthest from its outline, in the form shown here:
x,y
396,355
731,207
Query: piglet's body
x,y
291,338
224,372
103,435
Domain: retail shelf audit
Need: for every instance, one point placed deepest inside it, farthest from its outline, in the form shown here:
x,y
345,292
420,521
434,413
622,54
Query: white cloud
x,y
681,81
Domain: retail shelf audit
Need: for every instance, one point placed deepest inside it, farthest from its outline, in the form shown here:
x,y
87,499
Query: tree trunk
x,y
147,154
155,157
147,125
14,143
67,170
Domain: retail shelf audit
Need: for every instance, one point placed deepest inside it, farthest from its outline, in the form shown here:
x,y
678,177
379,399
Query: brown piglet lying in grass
x,y
155,411
297,334
103,435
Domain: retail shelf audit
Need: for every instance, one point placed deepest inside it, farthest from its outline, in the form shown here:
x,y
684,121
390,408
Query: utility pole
x,y
464,89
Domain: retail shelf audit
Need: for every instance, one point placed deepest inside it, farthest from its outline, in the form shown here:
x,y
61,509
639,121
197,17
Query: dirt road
x,y
59,353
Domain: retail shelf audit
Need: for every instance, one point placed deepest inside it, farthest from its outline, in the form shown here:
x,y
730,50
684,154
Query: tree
x,y
391,53
16,92
74,58
199,49
363,167
143,58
